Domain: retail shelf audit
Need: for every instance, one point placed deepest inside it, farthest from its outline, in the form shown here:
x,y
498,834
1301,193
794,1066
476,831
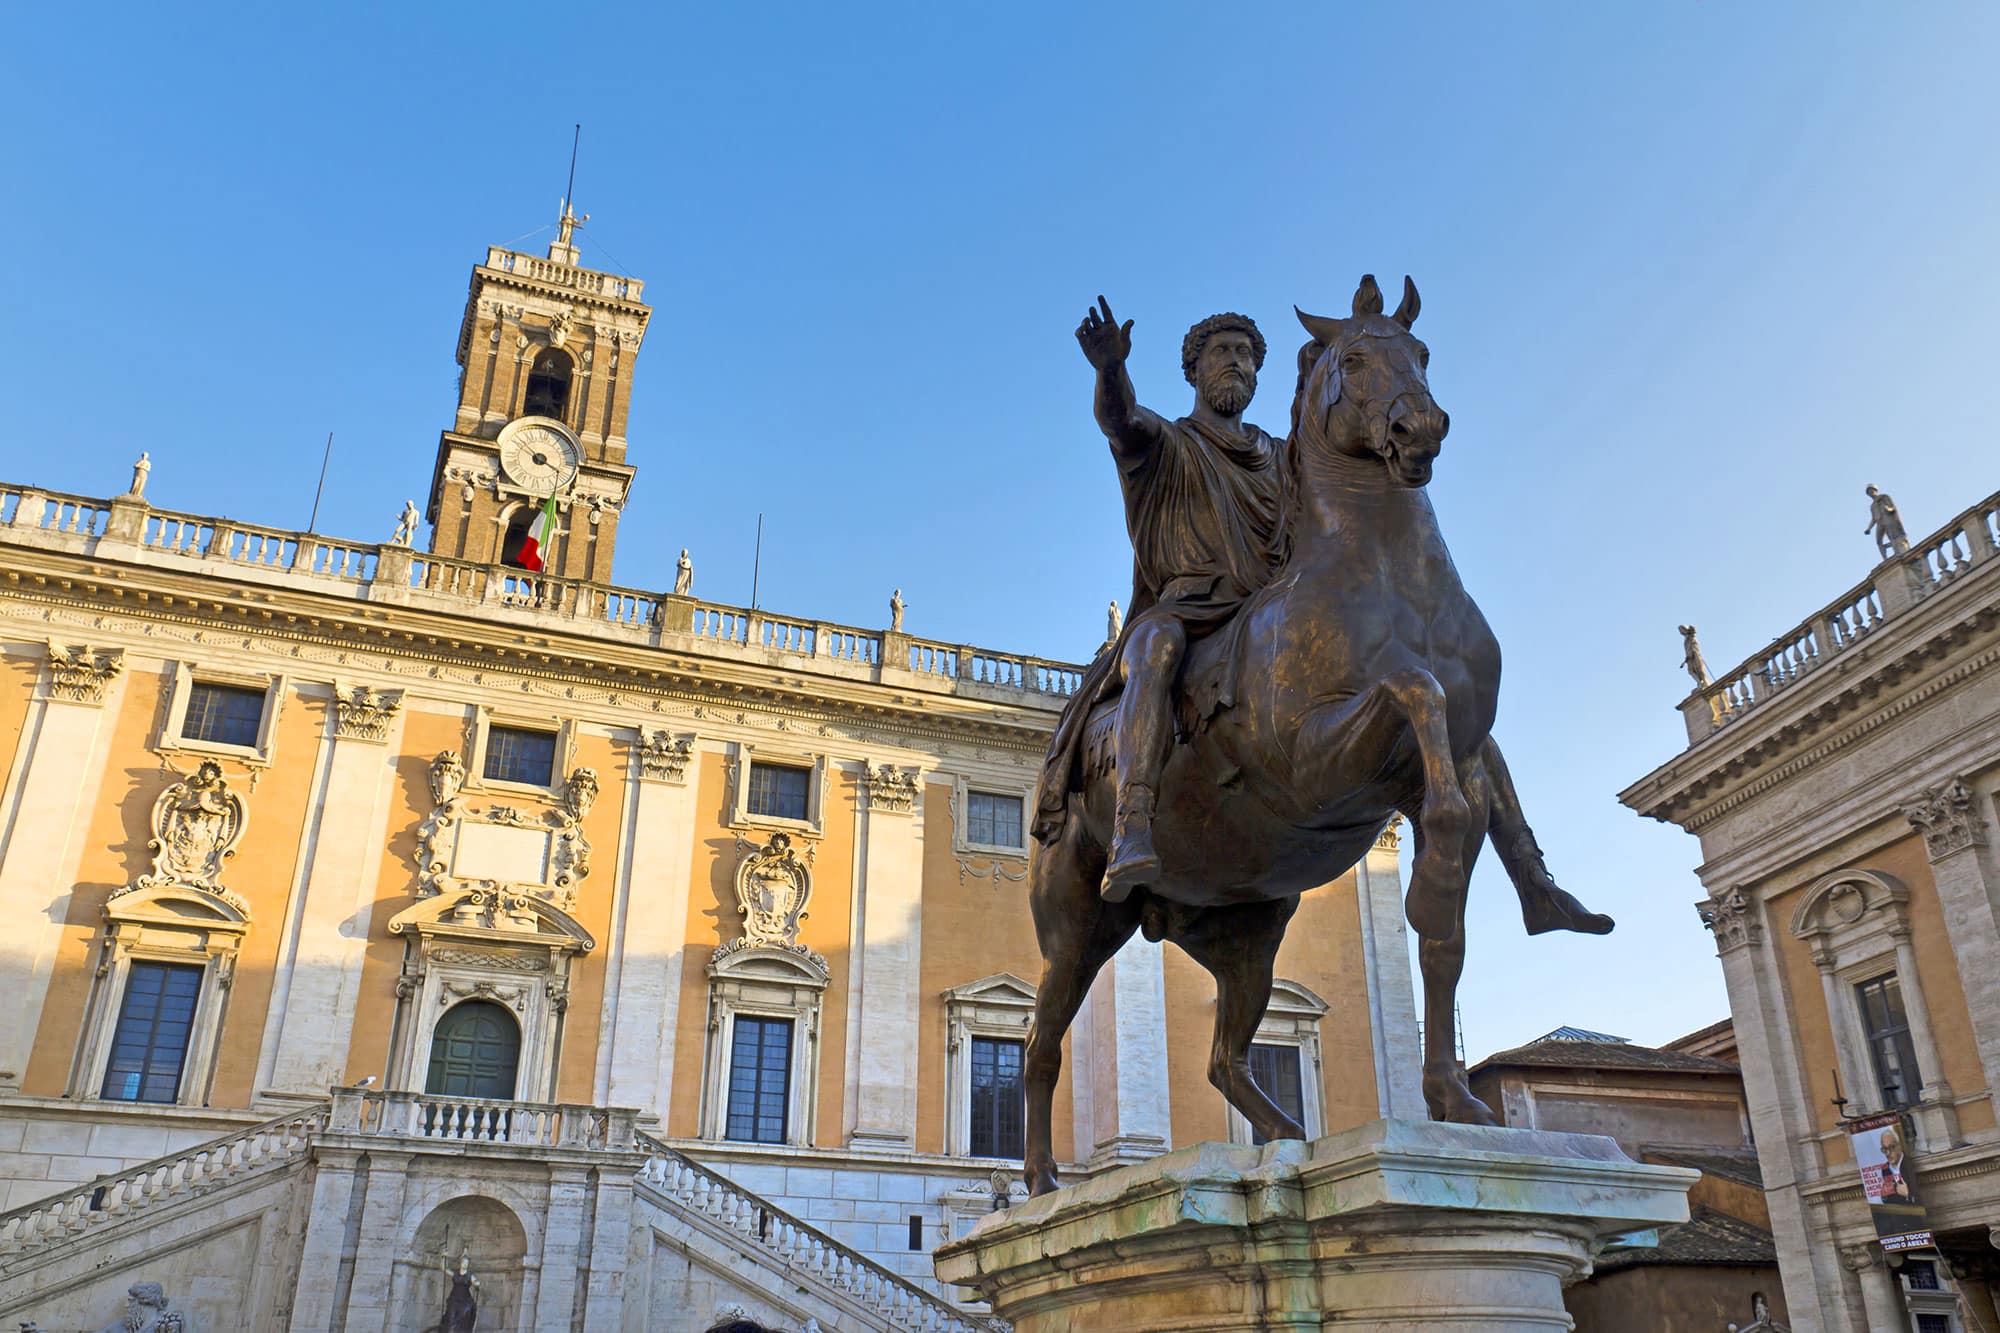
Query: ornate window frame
x,y
1293,1019
181,680
961,815
743,753
765,981
162,922
484,718
1857,923
1000,1006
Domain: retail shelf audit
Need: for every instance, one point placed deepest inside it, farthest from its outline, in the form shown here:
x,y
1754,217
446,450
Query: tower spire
x,y
563,250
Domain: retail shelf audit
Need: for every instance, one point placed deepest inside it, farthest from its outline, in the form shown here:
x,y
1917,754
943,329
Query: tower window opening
x,y
548,386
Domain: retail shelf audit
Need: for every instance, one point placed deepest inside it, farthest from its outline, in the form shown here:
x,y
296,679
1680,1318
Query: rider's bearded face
x,y
1226,373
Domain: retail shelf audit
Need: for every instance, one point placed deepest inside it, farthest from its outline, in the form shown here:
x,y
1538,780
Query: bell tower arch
x,y
545,353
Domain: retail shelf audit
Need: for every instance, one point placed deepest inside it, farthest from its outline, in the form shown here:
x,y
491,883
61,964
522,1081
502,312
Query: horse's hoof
x,y
1553,909
1040,1179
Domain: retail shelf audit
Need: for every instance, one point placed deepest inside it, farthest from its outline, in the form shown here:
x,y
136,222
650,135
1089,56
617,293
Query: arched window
x,y
516,535
475,1049
548,386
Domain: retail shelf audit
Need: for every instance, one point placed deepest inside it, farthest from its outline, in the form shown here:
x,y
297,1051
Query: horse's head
x,y
1362,388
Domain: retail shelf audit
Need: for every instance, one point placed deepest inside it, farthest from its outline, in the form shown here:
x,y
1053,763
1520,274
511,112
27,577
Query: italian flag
x,y
539,536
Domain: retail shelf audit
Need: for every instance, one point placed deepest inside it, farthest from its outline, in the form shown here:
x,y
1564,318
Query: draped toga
x,y
1206,510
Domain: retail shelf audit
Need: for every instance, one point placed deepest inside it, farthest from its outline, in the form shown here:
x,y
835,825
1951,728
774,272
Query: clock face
x,y
538,457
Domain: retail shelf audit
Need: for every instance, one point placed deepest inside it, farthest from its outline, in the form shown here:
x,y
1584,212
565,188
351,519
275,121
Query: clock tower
x,y
545,381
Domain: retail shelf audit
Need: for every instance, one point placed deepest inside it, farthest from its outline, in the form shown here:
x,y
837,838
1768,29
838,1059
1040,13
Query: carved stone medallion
x,y
196,823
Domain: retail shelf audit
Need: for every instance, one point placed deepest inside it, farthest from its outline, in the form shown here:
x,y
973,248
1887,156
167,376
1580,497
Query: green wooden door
x,y
474,1051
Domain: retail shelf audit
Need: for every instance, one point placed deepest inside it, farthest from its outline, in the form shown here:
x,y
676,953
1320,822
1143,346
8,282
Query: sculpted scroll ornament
x,y
80,675
1732,916
549,866
196,824
363,714
1947,818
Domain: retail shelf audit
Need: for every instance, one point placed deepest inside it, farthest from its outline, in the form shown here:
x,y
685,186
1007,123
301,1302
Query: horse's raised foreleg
x,y
1544,905
1078,932
1345,745
1239,946
1442,962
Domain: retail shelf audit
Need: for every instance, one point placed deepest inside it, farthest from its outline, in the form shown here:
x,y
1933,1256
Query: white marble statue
x,y
139,471
146,1312
683,574
406,526
896,611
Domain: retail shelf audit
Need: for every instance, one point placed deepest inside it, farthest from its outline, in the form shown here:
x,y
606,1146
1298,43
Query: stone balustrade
x,y
1970,540
129,528
171,1178
418,1115
695,1189
556,274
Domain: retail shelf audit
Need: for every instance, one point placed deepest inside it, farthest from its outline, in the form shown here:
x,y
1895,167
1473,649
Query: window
x,y
548,386
1920,1275
223,715
151,1041
999,1107
1889,1045
992,820
1933,1323
1275,1069
516,754
779,792
760,1067
475,1051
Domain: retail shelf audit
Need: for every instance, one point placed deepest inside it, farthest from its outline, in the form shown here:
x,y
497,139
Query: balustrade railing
x,y
797,1245
173,1177
414,1115
657,617
1969,540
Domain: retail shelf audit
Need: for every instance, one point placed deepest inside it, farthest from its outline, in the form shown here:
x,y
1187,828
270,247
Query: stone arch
x,y
491,1238
1844,898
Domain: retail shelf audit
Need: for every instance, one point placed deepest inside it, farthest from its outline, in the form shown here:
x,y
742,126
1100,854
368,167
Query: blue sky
x,y
1693,275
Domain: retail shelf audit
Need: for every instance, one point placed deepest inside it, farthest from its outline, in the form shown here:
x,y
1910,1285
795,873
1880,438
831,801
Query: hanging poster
x,y
1895,1204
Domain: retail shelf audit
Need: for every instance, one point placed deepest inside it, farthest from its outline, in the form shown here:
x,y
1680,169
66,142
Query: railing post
x,y
346,1113
1901,581
33,507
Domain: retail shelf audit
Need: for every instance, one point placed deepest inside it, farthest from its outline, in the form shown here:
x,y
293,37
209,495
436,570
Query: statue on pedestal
x,y
146,1312
461,1303
683,574
1886,522
140,468
1691,658
1300,667
896,611
406,526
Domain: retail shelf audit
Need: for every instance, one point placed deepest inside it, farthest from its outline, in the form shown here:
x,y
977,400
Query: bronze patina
x,y
1301,666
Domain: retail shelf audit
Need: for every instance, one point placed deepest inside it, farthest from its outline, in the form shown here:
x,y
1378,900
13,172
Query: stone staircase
x,y
110,1200
73,1252
783,1244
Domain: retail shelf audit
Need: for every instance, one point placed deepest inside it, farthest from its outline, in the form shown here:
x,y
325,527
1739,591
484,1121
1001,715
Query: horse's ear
x,y
1323,330
1367,297
1406,313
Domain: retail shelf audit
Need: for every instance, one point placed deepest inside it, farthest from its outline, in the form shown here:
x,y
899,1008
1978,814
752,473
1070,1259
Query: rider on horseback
x,y
1205,503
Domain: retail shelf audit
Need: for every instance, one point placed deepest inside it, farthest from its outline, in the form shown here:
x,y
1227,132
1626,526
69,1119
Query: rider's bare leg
x,y
1544,905
1152,659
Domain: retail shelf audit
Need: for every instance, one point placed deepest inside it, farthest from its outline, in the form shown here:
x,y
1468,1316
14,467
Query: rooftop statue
x,y
1886,522
1300,666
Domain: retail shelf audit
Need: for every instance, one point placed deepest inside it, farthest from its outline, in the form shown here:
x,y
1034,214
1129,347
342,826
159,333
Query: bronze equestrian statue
x,y
1324,673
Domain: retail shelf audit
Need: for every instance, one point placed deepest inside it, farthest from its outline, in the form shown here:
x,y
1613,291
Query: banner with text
x,y
1880,1145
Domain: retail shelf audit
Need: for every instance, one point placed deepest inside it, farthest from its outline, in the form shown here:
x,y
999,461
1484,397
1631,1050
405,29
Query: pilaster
x,y
643,982
45,815
377,1244
1881,1301
1956,821
1122,1038
563,1247
1392,1001
889,894
1780,1113
310,1024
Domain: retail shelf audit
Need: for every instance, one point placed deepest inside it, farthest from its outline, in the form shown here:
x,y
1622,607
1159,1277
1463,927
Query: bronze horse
x,y
1367,682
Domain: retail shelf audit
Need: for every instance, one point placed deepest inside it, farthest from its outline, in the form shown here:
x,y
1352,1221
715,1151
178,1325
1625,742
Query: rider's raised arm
x,y
1133,431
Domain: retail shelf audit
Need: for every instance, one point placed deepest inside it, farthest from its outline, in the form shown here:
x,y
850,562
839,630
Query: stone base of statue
x,y
1396,1225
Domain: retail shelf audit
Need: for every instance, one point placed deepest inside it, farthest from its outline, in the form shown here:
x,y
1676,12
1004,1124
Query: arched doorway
x,y
475,1052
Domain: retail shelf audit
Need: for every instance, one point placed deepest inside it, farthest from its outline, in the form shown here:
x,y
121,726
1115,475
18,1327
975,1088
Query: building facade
x,y
526,853
1842,783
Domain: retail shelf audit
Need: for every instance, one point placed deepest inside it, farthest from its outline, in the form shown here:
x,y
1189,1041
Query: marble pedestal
x,y
1395,1225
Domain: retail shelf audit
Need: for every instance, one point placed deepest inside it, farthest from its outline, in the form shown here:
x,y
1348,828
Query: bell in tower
x,y
545,354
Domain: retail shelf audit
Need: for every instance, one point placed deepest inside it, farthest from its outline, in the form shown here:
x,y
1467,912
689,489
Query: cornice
x,y
135,605
1696,788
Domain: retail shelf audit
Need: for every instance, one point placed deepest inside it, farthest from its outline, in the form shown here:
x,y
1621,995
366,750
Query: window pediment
x,y
1845,900
493,916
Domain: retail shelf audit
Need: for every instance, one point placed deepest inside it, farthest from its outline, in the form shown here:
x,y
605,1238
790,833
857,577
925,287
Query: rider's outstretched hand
x,y
1105,342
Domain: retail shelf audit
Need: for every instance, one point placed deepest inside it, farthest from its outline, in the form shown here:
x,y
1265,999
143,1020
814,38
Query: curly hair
x,y
1198,336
